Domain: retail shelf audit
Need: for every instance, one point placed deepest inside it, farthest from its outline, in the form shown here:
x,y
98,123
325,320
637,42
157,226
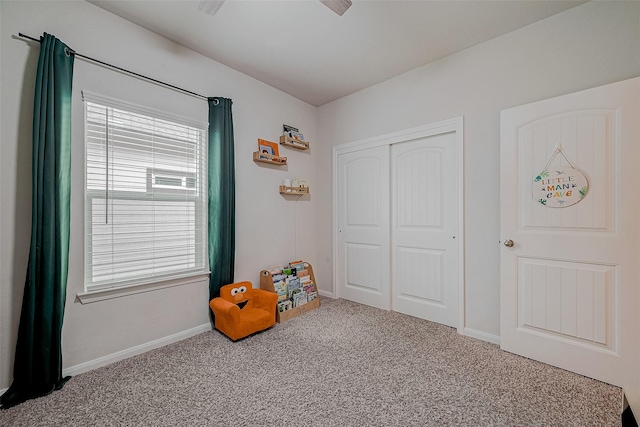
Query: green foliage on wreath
x,y
583,191
543,174
543,201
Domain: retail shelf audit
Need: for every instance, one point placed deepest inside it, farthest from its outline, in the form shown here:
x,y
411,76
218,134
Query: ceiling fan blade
x,y
338,6
210,6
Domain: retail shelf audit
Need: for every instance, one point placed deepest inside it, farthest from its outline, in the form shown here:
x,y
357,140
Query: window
x,y
146,195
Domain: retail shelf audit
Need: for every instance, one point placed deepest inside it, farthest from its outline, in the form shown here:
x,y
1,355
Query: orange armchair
x,y
241,310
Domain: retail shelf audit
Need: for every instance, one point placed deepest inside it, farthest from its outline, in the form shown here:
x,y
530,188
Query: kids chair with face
x,y
241,310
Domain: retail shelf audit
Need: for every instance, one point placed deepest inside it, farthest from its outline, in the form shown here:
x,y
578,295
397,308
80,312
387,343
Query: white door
x,y
570,281
363,229
425,228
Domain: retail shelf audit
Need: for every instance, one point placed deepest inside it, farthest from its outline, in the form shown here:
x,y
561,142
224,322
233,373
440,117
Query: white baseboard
x,y
484,336
326,294
134,351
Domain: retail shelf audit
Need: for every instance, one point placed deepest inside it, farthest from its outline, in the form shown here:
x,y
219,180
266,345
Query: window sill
x,y
105,294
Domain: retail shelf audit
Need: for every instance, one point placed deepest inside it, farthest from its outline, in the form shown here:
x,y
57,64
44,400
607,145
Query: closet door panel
x,y
363,216
425,216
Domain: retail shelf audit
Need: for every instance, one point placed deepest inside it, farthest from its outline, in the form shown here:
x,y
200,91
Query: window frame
x,y
97,291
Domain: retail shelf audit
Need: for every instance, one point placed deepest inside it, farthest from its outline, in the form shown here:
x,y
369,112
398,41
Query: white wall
x,y
590,45
265,234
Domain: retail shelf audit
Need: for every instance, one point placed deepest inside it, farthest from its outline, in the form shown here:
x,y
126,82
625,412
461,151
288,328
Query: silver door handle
x,y
508,243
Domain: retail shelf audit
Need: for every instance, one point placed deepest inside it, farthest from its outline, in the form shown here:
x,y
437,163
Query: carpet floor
x,y
343,364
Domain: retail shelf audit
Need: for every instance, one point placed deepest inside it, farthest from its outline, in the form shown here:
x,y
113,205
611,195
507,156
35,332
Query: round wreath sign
x,y
560,187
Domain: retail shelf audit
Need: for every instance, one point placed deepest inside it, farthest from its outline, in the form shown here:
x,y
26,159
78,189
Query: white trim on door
x,y
456,125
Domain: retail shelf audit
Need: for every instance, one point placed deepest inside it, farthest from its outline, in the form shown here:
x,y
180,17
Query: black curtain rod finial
x,y
97,61
24,36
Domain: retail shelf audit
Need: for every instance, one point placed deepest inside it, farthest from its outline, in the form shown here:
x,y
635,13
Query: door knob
x,y
508,243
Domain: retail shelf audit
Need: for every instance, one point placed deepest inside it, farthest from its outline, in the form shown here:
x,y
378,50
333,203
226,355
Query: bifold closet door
x,y
363,229
425,218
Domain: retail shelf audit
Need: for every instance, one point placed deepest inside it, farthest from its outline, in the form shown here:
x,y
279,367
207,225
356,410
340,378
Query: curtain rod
x,y
122,69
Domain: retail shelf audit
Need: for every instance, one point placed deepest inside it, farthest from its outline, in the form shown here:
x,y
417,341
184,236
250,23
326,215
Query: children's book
x,y
294,283
284,305
287,128
268,147
304,278
281,289
297,265
276,269
300,299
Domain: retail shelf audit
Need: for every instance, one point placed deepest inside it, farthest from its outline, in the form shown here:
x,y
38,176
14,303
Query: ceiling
x,y
304,49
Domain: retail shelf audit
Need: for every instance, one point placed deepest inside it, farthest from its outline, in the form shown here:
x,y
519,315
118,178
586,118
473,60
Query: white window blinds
x,y
146,195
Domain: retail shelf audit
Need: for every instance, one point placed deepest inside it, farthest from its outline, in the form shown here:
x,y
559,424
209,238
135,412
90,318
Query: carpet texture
x,y
343,364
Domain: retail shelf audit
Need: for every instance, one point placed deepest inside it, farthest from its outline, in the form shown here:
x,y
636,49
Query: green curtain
x,y
222,195
38,360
